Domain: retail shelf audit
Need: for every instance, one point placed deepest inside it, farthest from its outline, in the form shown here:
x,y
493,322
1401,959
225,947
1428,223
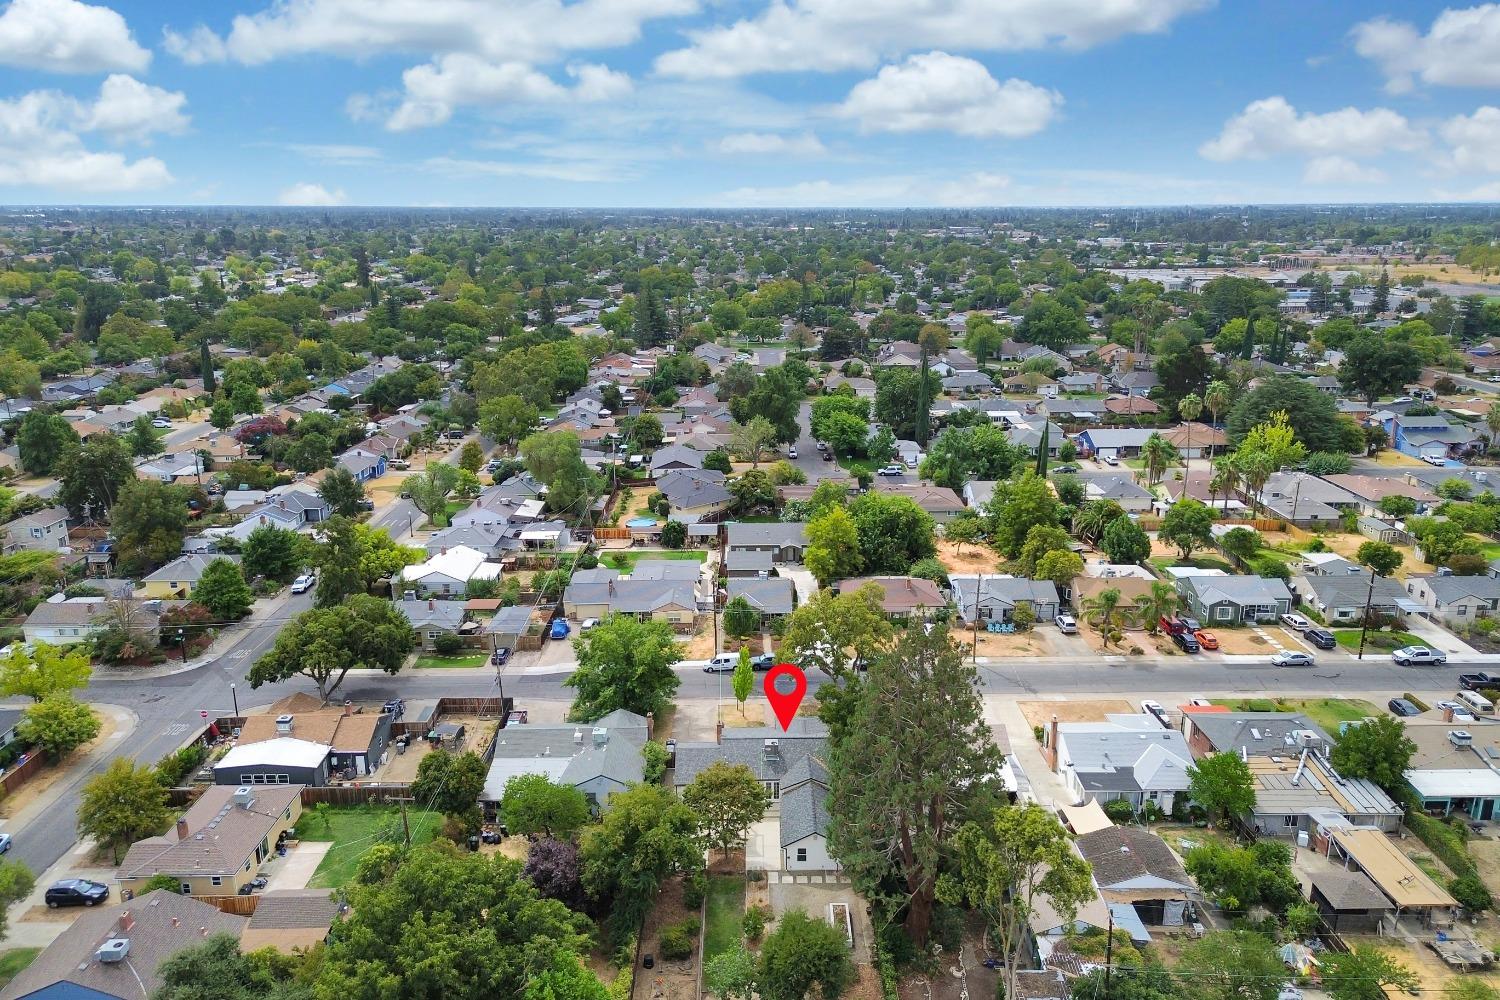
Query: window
x,y
1289,821
216,880
1222,613
1462,610
801,854
187,889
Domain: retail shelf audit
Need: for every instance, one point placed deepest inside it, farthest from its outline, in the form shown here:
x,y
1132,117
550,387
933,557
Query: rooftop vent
x,y
244,796
283,724
601,736
772,749
113,950
1460,737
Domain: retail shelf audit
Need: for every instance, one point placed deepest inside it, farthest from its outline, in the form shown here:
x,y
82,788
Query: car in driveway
x,y
1408,655
1475,681
161,423
1461,712
1171,626
791,452
76,892
1293,659
891,470
1186,642
588,624
500,656
560,628
1296,622
304,583
1206,639
1321,637
1066,624
1110,460
1402,707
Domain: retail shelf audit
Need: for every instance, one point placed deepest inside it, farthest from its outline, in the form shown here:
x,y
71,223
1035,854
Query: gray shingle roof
x,y
747,746
1121,853
804,812
1350,890
746,533
775,596
1257,733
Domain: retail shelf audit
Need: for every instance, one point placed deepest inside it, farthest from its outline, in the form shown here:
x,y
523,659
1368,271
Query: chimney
x,y
719,732
1052,744
182,829
176,921
127,921
431,604
348,706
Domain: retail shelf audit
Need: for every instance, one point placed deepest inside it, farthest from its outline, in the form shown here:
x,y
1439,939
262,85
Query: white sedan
x,y
1293,660
304,583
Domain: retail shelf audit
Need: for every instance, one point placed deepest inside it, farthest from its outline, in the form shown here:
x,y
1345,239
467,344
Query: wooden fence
x,y
18,776
354,795
241,906
616,534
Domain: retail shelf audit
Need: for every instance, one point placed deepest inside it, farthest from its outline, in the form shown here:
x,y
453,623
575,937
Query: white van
x,y
724,663
1478,702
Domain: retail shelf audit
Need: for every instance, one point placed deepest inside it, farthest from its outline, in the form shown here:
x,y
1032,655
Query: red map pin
x,y
785,704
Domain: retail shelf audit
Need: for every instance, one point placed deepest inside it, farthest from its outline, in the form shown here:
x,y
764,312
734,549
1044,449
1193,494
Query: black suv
x,y
77,892
1322,638
1186,641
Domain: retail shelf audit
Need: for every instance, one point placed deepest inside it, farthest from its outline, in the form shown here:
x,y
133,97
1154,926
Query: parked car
x,y
791,452
304,583
588,623
1293,659
1320,637
1186,642
500,656
1296,622
1461,712
1066,624
765,661
4,843
367,504
1400,706
1191,624
1065,470
891,470
822,446
161,423
1171,625
76,892
724,663
395,708
1152,707
559,628
1407,655
1475,681
1110,460
1206,639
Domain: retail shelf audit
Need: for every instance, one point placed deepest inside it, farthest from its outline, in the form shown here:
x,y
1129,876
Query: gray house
x,y
773,598
42,530
432,618
747,563
786,541
598,758
1235,599
771,756
999,595
1341,599
1455,598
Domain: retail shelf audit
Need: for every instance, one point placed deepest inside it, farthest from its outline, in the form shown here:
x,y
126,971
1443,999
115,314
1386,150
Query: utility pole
x,y
405,826
978,586
1109,950
1364,625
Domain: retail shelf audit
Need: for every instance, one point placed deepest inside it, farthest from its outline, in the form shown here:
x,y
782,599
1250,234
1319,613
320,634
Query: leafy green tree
x,y
623,662
1378,749
1398,506
507,419
728,798
1222,784
92,476
1159,454
342,492
448,924
1187,525
566,979
16,883
1052,324
961,454
43,670
221,415
732,975
752,439
831,631
324,644
451,783
532,804
1242,543
121,805
1363,973
1125,542
58,724
802,953
646,836
143,440
222,589
914,750
1233,965
833,546
893,532
429,491
1059,566
1006,863
148,521
471,456
216,968
846,434
1310,412
556,459
273,553
740,618
1090,520
744,678
1026,504
338,560
44,439
1375,365
674,534
777,396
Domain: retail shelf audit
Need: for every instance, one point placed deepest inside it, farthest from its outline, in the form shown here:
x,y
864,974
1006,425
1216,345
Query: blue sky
x,y
728,103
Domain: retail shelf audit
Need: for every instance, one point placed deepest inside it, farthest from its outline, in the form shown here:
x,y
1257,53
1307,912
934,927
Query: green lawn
x,y
353,830
1378,641
625,561
856,466
726,913
1490,550
434,661
14,960
1326,712
1202,562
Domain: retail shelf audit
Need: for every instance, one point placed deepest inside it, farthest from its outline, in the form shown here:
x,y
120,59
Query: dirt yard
x,y
1348,545
1040,713
699,645
1440,273
974,558
960,974
1241,641
755,710
670,980
1031,643
1432,972
48,776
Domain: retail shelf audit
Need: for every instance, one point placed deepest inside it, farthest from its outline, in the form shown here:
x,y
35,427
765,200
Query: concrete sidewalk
x,y
296,869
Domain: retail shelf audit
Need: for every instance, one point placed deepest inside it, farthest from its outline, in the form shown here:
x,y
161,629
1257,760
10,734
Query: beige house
x,y
220,843
656,590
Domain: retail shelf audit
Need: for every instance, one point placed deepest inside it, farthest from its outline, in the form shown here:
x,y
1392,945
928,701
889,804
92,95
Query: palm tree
x,y
1226,478
1093,517
1216,397
1161,601
1255,468
1492,421
1159,455
1190,406
1100,611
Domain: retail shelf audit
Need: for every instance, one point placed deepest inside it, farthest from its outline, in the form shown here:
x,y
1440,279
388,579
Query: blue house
x,y
1430,438
363,465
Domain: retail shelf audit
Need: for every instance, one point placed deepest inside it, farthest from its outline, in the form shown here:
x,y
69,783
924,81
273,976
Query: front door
x,y
1487,809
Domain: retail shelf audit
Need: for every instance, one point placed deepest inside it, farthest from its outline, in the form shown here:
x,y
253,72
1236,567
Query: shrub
x,y
1039,733
754,923
1119,810
1471,893
447,644
1024,616
1443,840
655,756
693,889
674,534
587,561
173,769
679,940
948,927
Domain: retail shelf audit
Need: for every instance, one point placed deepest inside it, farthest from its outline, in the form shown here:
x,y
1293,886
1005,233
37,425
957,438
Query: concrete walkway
x,y
1025,751
296,869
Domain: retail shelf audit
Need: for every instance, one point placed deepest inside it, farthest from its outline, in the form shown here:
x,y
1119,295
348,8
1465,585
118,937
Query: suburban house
x,y
1370,490
291,508
220,843
505,628
1130,406
177,578
598,758
1234,599
786,541
449,572
1341,599
668,593
1128,757
1456,768
353,743
1085,588
1122,489
696,497
291,920
747,564
362,465
773,598
969,384
1135,383
79,618
1348,901
1134,866
901,596
675,456
1410,890
87,961
40,531
772,758
803,819
999,595
1455,598
1433,437
171,467
432,618
488,539
938,501
1300,792
1113,442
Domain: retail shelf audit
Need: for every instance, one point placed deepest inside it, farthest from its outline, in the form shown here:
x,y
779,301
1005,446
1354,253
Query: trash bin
x,y
649,961
474,843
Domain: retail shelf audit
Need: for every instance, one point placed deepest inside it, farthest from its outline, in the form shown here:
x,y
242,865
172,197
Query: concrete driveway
x,y
803,582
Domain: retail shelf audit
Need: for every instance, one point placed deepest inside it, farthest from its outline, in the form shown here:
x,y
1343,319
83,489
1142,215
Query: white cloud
x,y
433,90
1340,170
976,189
515,31
1272,126
306,194
1484,192
937,91
41,145
770,144
336,153
65,36
128,109
580,171
833,35
1475,140
1459,49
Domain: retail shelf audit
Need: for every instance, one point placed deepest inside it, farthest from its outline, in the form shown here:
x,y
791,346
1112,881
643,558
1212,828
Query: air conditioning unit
x,y
113,950
1460,737
244,796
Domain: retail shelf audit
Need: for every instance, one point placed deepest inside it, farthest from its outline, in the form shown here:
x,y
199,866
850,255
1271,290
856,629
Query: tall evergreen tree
x,y
1041,451
206,366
